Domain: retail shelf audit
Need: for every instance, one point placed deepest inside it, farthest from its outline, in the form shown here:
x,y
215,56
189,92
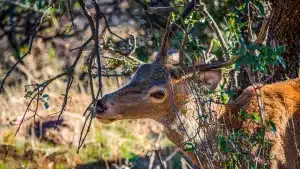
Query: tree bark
x,y
284,30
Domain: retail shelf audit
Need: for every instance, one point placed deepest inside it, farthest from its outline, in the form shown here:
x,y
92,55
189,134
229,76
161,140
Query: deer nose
x,y
100,106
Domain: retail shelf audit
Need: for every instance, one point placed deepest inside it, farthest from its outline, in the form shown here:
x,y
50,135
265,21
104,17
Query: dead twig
x,y
216,29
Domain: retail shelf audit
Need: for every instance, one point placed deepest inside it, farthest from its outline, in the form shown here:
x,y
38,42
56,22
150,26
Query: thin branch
x,y
91,77
216,29
96,48
87,15
81,139
98,11
168,158
70,79
127,54
39,88
24,115
71,14
181,52
160,159
64,105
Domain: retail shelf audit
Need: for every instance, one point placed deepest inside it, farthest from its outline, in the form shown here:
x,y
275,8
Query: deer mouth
x,y
107,120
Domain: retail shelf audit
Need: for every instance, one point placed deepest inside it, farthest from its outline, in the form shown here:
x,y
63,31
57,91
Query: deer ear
x,y
162,56
212,78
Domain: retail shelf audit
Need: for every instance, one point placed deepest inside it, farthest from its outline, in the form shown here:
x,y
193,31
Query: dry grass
x,y
123,139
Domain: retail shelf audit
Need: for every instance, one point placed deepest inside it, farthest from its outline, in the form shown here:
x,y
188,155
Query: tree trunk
x,y
284,30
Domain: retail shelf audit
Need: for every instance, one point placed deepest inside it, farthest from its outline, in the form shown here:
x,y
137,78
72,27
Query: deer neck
x,y
185,129
183,126
179,127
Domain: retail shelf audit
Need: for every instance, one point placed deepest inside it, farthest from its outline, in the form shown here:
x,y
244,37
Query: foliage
x,y
245,147
239,147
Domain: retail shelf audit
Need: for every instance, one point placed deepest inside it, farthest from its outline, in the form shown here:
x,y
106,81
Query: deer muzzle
x,y
100,107
106,110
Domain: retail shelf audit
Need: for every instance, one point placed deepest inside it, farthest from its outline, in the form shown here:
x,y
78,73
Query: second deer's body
x,y
281,105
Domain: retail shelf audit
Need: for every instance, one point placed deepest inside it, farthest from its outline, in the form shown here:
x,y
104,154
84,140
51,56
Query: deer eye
x,y
158,94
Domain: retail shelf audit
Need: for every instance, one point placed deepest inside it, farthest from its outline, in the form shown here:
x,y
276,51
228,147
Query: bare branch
x,y
216,29
160,159
98,11
96,47
71,13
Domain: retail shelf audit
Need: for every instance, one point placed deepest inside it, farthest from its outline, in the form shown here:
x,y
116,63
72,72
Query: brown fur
x,y
281,104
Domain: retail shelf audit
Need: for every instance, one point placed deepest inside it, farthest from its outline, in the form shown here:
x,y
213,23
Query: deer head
x,y
155,88
151,93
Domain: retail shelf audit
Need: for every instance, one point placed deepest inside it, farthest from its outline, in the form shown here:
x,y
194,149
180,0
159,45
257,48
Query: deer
x,y
159,91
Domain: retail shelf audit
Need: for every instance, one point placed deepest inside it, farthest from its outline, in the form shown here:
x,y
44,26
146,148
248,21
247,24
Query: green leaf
x,y
142,54
262,132
242,41
273,126
28,94
242,7
224,98
245,114
53,10
204,116
252,165
222,146
256,117
260,7
52,53
46,105
280,49
282,62
250,59
239,63
254,46
77,5
45,96
189,147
